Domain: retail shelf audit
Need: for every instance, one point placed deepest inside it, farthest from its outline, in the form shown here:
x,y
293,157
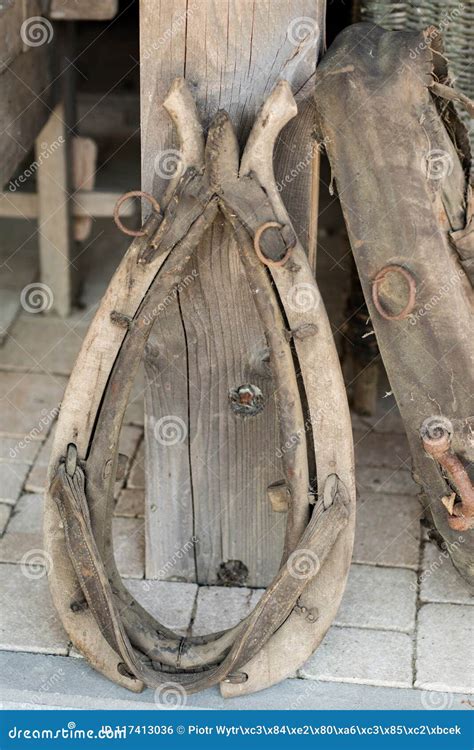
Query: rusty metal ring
x,y
256,243
411,296
134,194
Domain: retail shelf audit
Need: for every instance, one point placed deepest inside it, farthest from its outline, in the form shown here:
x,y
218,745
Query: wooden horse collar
x,y
104,621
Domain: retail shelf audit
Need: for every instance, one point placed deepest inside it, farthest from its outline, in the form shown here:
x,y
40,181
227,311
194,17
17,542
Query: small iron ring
x,y
134,194
411,296
256,243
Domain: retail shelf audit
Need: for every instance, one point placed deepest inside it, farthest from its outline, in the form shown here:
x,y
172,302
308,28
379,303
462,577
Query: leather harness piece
x,y
401,162
103,620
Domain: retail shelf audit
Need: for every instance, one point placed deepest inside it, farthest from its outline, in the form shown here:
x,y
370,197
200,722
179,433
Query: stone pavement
x,y
395,639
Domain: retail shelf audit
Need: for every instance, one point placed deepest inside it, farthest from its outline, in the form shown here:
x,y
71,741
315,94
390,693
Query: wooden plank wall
x,y
207,474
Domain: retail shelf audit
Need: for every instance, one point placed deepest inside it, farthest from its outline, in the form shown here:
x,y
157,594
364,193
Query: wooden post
x,y
54,221
207,468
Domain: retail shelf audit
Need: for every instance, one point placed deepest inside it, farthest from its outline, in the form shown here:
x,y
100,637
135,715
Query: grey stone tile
x,y
440,581
8,311
5,511
29,621
219,607
129,546
170,603
385,481
381,598
130,504
36,479
388,530
38,344
12,479
387,450
370,657
28,403
24,532
18,450
445,657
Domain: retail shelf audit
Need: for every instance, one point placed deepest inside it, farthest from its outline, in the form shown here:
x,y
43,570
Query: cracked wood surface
x,y
209,339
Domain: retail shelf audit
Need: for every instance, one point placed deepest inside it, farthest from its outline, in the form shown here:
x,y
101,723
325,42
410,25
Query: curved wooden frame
x,y
111,628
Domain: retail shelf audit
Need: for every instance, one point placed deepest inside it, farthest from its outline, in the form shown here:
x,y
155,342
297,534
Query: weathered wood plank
x,y
209,340
83,10
54,221
23,107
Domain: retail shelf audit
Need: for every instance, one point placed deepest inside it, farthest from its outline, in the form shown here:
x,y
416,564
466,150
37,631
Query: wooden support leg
x,y
54,220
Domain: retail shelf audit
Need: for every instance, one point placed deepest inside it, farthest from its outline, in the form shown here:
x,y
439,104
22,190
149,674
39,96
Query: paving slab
x,y
219,607
444,655
29,402
388,530
28,621
170,603
18,450
129,546
40,681
385,481
388,450
36,480
24,533
439,579
8,311
12,478
5,511
130,503
38,344
381,598
370,657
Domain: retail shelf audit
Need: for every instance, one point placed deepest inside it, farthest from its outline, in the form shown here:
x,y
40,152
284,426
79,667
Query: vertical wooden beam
x,y
54,221
207,478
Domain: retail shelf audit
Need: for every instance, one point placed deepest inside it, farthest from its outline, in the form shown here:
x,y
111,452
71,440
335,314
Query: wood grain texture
x,y
210,340
23,107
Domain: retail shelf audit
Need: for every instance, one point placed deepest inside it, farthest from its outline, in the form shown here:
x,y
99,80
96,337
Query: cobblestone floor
x,y
405,608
